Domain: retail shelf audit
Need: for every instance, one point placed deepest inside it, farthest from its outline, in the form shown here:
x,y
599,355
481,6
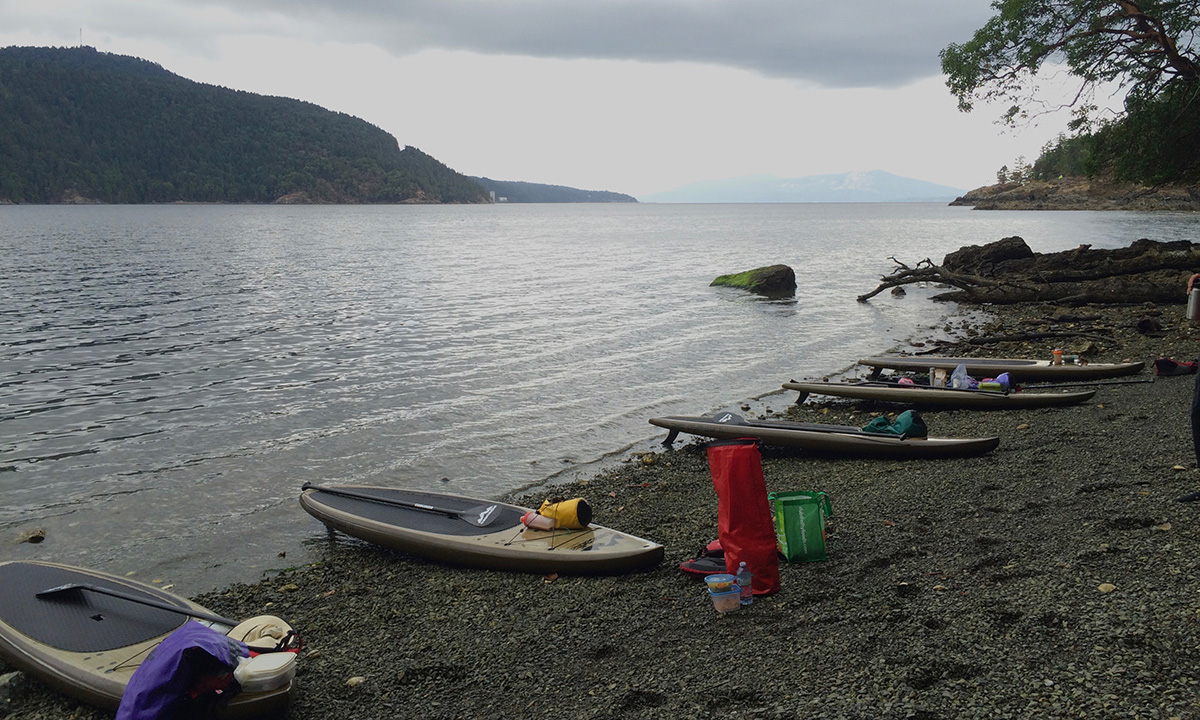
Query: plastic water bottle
x,y
959,378
743,583
537,521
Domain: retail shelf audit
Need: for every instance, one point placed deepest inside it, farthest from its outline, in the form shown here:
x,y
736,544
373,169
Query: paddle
x,y
73,587
480,516
977,391
1087,384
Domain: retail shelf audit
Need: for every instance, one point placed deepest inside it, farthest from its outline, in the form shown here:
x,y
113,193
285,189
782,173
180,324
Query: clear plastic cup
x,y
727,601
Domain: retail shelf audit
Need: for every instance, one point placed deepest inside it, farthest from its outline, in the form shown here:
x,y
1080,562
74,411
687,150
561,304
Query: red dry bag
x,y
744,523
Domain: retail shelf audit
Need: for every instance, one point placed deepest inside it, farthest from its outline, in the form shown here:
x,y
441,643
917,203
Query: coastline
x,y
953,589
1077,193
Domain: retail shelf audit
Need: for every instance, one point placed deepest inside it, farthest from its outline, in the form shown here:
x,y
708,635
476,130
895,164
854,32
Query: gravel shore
x,y
1053,578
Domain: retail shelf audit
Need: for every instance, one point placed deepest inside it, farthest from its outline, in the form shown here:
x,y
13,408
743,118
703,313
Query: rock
x,y
1148,325
10,684
36,535
772,281
983,259
72,197
299,197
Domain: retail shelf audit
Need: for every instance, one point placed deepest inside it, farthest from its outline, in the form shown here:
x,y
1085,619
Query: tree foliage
x,y
1148,48
122,130
1144,46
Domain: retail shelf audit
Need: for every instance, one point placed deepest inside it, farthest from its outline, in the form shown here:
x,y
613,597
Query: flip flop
x,y
1166,366
703,567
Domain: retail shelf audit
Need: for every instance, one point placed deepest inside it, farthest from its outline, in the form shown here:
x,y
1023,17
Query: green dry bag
x,y
800,521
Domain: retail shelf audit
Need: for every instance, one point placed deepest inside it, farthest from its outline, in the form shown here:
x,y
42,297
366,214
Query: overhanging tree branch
x,y
1100,40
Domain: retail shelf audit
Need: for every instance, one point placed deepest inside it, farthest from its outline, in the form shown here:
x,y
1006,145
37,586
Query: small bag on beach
x,y
745,527
960,380
907,424
190,672
800,521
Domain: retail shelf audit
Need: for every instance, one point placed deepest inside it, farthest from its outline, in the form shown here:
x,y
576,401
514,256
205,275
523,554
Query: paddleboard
x,y
829,439
490,536
86,644
1018,369
923,396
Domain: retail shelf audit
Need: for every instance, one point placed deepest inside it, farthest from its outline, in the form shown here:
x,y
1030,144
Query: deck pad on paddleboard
x,y
418,519
504,543
79,621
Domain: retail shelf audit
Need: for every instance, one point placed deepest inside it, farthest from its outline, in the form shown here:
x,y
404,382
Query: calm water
x,y
171,376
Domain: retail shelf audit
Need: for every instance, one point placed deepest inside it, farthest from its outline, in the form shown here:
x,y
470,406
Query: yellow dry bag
x,y
574,513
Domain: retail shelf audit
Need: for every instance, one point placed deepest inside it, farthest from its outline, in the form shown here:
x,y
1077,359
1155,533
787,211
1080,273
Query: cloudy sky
x,y
635,96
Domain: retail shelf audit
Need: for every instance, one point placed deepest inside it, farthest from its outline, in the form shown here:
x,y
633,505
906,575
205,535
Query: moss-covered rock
x,y
773,280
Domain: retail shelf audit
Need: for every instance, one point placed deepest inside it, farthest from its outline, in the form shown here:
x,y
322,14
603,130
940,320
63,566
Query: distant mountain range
x,y
870,186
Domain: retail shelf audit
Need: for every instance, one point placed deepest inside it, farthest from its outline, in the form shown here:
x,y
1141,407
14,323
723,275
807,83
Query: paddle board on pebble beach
x,y
85,632
1018,369
941,398
477,533
828,439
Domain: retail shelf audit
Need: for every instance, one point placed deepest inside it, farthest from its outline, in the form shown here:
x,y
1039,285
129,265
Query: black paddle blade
x,y
481,516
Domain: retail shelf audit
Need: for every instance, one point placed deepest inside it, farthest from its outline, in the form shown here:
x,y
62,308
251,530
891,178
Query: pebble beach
x,y
1055,577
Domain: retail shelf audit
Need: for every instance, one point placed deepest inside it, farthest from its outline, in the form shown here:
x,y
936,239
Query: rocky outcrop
x,y
300,197
73,197
1082,194
772,281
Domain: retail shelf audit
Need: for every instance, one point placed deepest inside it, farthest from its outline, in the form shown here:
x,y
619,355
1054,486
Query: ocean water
x,y
171,375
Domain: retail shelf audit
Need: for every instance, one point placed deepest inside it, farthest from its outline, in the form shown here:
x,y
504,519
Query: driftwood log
x,y
1007,271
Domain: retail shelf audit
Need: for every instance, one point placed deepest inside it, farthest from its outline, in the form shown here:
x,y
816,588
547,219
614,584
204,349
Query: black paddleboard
x,y
829,439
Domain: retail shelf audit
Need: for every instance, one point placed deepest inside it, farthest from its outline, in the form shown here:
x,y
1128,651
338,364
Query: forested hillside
x,y
77,125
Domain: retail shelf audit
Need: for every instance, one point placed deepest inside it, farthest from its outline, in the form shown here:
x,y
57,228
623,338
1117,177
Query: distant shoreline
x,y
1082,194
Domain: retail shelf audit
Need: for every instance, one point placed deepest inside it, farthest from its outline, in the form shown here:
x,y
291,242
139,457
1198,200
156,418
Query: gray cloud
x,y
846,43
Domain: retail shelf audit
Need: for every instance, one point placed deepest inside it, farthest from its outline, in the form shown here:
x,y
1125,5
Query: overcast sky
x,y
634,96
